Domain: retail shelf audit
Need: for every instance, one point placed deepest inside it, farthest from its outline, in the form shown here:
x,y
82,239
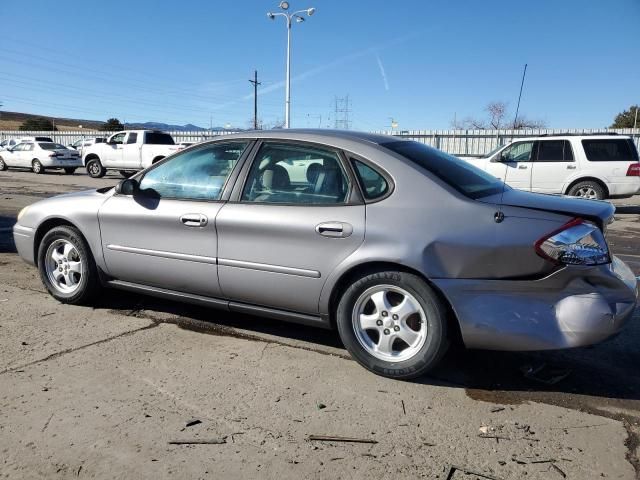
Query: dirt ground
x,y
103,392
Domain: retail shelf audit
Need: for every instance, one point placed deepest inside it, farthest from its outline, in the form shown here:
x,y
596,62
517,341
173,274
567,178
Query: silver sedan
x,y
399,246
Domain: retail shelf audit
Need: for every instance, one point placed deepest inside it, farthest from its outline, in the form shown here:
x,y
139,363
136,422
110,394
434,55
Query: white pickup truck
x,y
128,152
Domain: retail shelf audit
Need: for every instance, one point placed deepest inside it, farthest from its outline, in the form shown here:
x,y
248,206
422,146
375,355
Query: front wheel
x,y
36,166
393,324
95,168
69,170
3,165
66,266
588,189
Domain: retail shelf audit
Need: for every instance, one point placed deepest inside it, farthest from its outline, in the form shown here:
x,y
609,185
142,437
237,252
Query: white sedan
x,y
39,156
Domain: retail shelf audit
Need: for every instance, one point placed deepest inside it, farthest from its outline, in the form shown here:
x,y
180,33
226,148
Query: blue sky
x,y
419,62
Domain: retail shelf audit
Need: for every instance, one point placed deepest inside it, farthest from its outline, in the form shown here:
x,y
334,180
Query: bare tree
x,y
497,112
522,123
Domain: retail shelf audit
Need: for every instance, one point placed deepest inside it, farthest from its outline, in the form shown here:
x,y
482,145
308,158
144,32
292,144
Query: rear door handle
x,y
334,229
522,166
194,220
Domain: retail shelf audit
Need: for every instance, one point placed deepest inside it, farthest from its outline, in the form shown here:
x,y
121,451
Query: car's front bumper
x,y
572,307
23,237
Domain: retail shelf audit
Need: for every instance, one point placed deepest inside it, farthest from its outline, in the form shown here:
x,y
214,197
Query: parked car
x,y
12,142
128,151
40,156
589,166
80,145
397,245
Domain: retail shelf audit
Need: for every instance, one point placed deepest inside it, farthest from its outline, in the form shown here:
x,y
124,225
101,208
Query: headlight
x,y
22,212
577,243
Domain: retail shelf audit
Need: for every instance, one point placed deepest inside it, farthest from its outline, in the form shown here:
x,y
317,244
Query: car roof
x,y
315,135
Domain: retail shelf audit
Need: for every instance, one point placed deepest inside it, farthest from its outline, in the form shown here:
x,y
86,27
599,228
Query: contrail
x,y
383,73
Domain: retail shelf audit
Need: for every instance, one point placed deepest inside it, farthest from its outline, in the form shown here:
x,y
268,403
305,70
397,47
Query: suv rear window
x,y
610,150
464,177
157,138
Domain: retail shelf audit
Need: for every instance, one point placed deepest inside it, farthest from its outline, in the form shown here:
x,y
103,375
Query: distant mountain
x,y
189,127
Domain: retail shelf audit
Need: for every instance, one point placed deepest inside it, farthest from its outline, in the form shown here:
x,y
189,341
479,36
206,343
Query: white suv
x,y
590,166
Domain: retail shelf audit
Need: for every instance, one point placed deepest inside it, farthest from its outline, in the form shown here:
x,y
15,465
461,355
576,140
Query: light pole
x,y
299,19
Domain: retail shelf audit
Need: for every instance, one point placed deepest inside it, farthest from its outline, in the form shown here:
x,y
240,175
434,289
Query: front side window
x,y
194,175
118,139
610,150
296,174
372,182
158,138
554,151
462,176
518,152
132,138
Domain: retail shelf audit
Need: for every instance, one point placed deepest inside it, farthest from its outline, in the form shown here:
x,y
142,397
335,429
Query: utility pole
x,y
635,122
342,110
255,83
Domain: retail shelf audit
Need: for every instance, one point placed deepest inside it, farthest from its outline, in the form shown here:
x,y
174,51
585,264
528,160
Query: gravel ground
x,y
101,392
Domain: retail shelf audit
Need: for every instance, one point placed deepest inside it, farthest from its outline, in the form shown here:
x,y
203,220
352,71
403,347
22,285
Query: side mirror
x,y
128,186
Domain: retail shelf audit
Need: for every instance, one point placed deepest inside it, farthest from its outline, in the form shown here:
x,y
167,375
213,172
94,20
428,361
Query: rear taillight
x,y
576,243
53,154
634,170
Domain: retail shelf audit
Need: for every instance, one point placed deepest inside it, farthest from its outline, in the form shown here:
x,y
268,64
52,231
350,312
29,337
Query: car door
x,y
291,222
11,156
164,235
25,154
552,167
131,151
113,150
513,165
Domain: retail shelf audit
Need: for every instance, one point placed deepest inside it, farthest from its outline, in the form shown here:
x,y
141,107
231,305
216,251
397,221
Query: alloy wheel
x,y
587,192
389,323
63,266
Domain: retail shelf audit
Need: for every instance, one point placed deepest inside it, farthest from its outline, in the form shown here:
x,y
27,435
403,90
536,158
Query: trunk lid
x,y
598,211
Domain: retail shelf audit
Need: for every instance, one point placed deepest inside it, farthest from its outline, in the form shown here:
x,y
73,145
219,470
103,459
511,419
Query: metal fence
x,y
463,143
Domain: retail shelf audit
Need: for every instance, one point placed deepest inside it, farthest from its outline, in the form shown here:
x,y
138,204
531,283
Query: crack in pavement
x,y
81,347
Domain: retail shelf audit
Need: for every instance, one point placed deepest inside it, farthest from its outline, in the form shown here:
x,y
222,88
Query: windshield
x,y
464,177
52,146
492,152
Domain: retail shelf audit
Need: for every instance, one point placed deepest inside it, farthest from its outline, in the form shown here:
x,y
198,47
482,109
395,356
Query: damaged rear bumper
x,y
572,307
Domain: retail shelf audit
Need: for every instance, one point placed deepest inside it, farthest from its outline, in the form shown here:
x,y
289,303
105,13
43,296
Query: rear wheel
x,y
36,166
95,168
66,266
69,170
393,324
3,166
588,189
126,174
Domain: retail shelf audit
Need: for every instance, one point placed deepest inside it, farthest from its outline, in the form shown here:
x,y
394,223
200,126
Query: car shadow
x,y
6,234
628,209
608,370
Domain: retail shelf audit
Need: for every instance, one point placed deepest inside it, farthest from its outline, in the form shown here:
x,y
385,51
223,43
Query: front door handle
x,y
522,166
571,167
334,229
194,220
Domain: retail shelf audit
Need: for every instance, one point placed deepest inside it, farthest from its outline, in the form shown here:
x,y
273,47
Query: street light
x,y
299,19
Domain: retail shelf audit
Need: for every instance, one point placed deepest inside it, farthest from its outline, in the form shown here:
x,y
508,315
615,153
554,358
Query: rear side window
x,y
464,177
554,151
372,182
610,150
158,138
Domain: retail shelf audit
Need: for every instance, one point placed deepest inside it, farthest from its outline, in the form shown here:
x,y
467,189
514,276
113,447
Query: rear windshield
x,y
51,146
464,177
610,150
43,139
155,138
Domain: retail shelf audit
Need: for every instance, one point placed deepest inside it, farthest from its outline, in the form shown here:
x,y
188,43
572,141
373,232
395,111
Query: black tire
x,y
89,282
36,166
588,189
95,168
428,355
3,166
127,174
69,170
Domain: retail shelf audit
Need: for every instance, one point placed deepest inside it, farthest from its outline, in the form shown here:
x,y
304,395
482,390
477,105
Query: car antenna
x,y
499,215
